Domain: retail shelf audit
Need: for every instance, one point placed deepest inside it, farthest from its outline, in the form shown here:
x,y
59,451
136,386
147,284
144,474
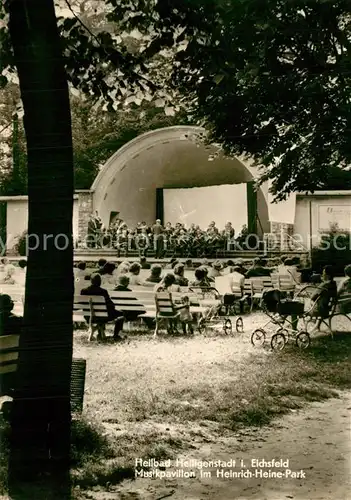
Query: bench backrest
x,y
286,283
132,301
8,353
164,304
90,305
260,284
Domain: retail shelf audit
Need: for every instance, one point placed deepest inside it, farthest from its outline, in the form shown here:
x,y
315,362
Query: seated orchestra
x,y
177,239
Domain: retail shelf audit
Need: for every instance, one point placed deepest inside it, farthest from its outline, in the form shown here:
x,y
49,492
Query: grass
x,y
162,398
155,397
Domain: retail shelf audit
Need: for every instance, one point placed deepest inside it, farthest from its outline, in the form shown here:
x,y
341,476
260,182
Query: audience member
x,y
4,262
236,286
21,271
101,264
144,264
214,271
80,270
9,277
9,322
290,269
123,268
179,275
240,263
185,316
201,279
134,274
344,292
167,284
155,275
123,286
108,277
96,289
258,269
323,297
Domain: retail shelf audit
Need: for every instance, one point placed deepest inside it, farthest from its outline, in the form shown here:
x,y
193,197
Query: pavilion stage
x,y
93,255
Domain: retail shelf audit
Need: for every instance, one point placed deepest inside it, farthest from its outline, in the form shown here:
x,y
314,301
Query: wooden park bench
x,y
9,356
140,300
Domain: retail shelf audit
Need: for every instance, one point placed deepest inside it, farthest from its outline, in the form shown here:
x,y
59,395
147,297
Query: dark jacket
x,y
327,291
10,324
154,279
102,292
130,315
181,280
258,271
145,265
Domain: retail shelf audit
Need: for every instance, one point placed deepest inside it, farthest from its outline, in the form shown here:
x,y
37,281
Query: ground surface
x,y
315,440
149,394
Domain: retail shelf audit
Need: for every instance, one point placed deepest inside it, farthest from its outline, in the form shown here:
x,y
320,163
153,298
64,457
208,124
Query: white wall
x,y
201,205
17,220
321,211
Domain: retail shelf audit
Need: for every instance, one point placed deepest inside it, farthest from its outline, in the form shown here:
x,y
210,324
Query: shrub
x,y
334,249
21,245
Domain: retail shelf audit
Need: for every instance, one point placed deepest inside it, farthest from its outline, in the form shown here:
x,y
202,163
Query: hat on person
x,y
123,280
6,303
217,265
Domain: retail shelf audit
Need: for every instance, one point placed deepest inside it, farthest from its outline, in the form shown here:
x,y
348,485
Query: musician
x,y
157,232
94,230
229,231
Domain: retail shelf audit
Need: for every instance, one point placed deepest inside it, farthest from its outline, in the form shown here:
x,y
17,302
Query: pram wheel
x,y
201,326
227,327
278,341
303,340
258,337
239,325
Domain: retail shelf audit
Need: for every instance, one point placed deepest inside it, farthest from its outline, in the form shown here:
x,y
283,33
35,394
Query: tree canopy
x,y
271,80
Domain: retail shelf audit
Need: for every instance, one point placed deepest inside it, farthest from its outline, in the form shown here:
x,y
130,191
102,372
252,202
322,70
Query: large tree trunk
x,y
41,409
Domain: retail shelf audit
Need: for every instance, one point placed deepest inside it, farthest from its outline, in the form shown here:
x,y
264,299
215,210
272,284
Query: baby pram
x,y
213,311
285,314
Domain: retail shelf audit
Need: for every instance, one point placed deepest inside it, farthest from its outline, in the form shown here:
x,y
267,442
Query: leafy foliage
x,y
271,80
334,249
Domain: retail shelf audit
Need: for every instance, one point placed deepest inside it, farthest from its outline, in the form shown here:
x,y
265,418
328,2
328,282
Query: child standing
x,y
185,316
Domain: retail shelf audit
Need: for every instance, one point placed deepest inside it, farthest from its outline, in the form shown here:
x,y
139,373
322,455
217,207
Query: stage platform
x,y
93,255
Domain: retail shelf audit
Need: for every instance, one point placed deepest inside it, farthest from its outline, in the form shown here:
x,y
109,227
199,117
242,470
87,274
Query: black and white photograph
x,y
175,249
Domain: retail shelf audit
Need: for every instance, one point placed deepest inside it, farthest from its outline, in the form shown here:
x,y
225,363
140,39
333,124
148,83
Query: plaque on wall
x,y
332,215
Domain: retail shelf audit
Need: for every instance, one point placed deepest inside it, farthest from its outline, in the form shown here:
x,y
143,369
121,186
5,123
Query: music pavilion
x,y
168,174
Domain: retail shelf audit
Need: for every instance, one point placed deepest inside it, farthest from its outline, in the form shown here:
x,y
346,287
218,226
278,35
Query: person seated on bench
x,y
9,278
96,289
289,269
326,291
108,278
9,323
123,268
80,270
134,275
155,275
20,275
201,279
179,275
258,269
168,284
144,264
215,270
344,293
123,286
101,263
236,282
